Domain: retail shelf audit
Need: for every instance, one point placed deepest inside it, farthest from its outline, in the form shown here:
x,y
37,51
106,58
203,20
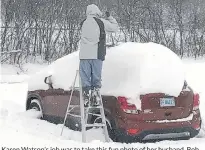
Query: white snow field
x,y
19,128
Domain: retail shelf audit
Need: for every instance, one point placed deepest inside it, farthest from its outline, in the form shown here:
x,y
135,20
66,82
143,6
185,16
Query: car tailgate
x,y
151,109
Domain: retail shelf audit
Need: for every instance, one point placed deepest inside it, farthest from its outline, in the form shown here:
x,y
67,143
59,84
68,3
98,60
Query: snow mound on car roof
x,y
130,69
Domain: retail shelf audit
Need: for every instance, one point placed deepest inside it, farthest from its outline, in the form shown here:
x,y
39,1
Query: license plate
x,y
167,102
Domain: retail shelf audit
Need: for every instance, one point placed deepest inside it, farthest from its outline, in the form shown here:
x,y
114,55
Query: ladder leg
x,y
107,139
69,102
83,127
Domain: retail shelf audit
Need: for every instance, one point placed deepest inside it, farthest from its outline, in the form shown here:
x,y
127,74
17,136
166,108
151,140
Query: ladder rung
x,y
96,125
99,115
94,107
74,115
85,107
80,115
75,88
73,106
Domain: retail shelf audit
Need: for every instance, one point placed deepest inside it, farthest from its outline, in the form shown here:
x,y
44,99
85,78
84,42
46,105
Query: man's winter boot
x,y
86,97
95,97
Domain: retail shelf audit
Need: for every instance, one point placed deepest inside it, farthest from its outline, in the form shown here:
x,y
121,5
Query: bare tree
x,y
49,29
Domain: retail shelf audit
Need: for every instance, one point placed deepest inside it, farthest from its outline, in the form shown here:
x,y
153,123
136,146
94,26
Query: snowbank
x,y
15,74
130,69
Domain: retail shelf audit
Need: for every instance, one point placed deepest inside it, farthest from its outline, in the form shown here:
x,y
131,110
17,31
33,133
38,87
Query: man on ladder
x,y
93,51
92,54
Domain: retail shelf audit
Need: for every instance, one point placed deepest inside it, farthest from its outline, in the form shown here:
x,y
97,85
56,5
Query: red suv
x,y
158,116
161,116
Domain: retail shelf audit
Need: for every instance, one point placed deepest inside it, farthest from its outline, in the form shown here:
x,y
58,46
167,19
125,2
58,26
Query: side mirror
x,y
48,81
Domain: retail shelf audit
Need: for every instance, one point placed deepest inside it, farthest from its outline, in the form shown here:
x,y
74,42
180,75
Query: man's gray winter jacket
x,y
92,44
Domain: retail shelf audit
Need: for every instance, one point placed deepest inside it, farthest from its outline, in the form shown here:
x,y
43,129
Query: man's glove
x,y
107,14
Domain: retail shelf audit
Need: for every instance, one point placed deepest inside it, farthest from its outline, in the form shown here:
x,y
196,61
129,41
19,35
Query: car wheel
x,y
110,127
35,105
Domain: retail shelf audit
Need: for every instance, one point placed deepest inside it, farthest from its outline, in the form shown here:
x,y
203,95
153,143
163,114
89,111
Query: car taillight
x,y
132,131
196,101
127,107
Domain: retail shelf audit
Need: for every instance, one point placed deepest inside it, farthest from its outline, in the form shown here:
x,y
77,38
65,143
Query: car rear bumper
x,y
157,134
154,130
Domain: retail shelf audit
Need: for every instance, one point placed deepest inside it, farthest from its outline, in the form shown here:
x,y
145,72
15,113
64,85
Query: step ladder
x,y
84,112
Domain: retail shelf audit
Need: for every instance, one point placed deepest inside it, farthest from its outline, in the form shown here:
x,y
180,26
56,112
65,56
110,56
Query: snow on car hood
x,y
130,69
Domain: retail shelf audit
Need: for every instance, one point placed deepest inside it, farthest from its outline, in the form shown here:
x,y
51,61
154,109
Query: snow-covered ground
x,y
19,128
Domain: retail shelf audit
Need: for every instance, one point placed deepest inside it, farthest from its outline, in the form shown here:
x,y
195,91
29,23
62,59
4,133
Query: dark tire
x,y
110,127
35,105
112,132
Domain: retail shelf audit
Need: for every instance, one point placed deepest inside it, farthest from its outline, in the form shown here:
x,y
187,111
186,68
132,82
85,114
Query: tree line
x,y
33,30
